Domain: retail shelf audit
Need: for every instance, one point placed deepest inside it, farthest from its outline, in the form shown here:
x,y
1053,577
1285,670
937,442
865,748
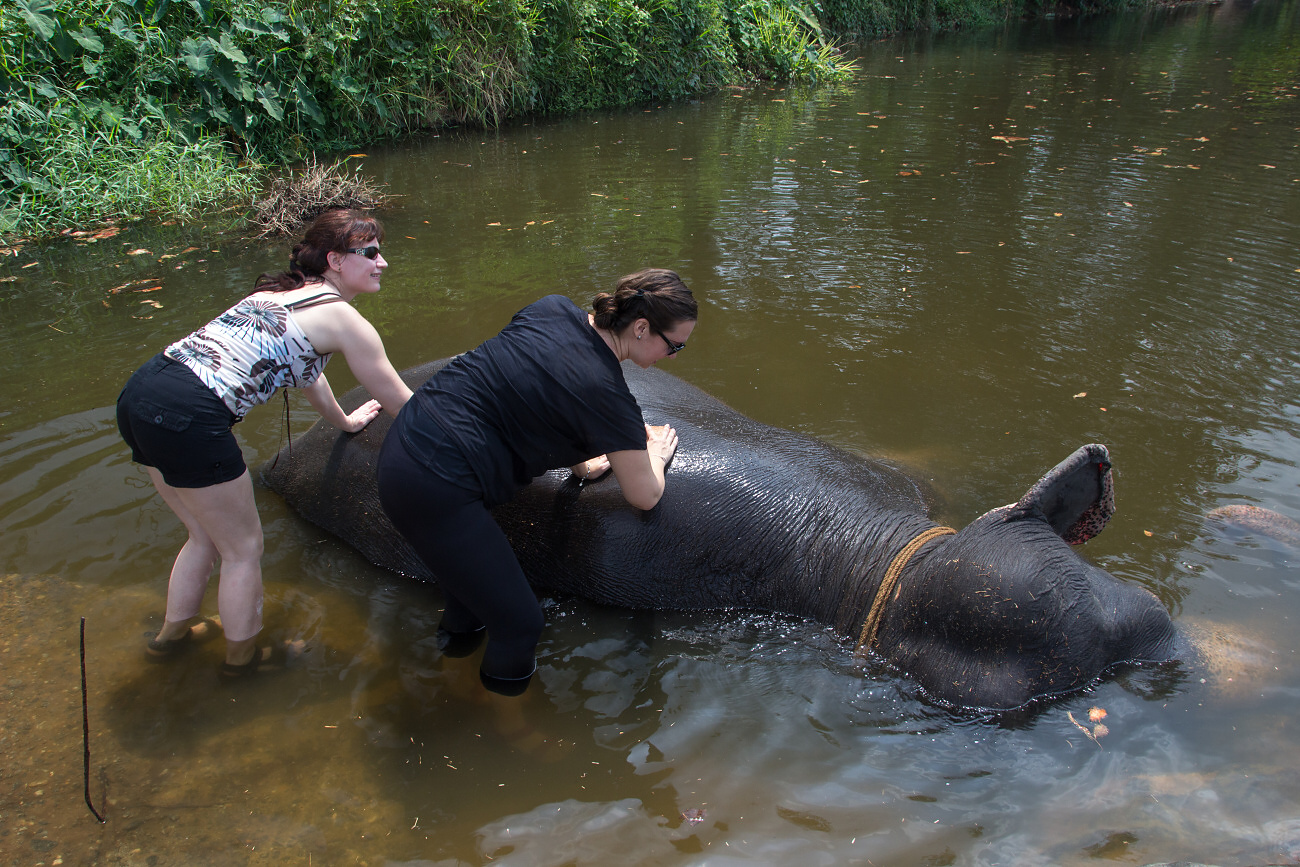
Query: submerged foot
x,y
272,657
161,648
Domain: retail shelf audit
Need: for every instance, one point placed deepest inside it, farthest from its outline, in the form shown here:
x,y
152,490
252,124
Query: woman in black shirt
x,y
546,392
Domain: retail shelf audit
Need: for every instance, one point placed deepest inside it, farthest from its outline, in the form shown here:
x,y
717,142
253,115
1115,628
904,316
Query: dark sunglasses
x,y
673,348
371,252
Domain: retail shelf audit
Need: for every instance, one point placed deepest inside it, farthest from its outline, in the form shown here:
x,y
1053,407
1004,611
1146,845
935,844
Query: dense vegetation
x,y
119,107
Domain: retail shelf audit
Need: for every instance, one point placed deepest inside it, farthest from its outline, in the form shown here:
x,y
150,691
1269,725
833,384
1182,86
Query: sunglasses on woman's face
x,y
371,252
673,348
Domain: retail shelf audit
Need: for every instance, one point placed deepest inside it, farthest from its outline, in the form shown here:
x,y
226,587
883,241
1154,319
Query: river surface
x,y
983,252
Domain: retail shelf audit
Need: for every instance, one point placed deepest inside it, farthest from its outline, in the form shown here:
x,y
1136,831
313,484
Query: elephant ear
x,y
1077,497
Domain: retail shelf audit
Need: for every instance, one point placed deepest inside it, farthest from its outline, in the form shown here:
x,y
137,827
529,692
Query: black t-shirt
x,y
546,392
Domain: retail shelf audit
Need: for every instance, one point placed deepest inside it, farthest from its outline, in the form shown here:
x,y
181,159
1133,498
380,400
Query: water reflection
x,y
988,250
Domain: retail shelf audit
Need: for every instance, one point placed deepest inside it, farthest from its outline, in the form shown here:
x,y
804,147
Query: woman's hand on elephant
x,y
361,416
661,441
593,468
641,476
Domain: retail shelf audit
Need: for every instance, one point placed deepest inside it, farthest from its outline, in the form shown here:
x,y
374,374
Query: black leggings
x,y
455,535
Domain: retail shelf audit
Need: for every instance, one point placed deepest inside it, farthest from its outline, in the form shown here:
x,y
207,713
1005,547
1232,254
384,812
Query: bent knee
x,y
246,549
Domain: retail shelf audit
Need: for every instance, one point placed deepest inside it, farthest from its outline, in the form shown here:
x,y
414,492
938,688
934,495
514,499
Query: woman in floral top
x,y
176,413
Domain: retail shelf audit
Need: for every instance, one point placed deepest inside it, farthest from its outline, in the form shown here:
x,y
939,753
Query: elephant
x,y
994,617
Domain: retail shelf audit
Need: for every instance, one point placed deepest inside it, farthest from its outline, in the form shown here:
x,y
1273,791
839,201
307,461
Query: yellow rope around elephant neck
x,y
890,582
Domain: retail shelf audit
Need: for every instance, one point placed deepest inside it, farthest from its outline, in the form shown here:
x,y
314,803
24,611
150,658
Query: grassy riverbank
x,y
115,108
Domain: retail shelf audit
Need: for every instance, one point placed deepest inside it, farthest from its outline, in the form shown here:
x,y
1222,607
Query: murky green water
x,y
986,251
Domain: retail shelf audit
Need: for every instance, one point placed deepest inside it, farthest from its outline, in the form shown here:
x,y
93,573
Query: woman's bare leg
x,y
190,572
223,524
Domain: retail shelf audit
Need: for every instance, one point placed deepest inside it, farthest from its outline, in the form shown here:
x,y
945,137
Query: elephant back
x,y
735,445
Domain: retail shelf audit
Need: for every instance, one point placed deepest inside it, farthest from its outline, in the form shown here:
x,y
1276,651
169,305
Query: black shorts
x,y
176,424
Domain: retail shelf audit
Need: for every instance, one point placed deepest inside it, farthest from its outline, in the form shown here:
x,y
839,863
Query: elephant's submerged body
x,y
762,518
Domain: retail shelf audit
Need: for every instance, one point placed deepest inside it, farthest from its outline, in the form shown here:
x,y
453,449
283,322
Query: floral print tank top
x,y
253,349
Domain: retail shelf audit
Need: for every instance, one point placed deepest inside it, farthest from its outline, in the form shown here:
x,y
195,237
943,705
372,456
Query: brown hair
x,y
655,294
335,231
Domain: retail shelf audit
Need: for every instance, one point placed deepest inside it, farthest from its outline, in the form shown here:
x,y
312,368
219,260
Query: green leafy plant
x,y
783,41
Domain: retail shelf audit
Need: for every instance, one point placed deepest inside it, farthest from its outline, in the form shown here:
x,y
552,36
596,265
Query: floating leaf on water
x,y
139,251
127,285
1094,733
1096,714
1147,533
1082,394
494,224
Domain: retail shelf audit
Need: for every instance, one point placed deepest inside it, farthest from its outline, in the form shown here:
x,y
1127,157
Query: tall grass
x,y
77,172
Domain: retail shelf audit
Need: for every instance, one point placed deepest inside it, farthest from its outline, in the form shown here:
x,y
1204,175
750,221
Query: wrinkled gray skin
x,y
756,517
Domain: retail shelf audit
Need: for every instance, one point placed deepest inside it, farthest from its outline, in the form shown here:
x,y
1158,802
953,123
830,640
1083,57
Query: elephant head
x,y
758,517
1025,616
